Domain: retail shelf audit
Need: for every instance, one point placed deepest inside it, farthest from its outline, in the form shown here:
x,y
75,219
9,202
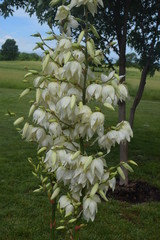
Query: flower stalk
x,y
53,220
63,121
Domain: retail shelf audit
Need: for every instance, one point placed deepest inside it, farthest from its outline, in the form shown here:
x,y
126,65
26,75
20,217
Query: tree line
x,y
9,51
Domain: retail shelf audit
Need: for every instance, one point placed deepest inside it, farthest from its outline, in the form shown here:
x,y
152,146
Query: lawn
x,y
25,215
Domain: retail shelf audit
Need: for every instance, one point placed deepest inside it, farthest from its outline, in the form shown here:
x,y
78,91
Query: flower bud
x,y
55,193
94,189
18,121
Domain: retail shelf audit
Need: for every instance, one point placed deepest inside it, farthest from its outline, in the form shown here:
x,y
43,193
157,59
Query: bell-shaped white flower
x,y
62,13
91,4
41,117
97,168
72,71
51,160
55,129
90,207
85,114
71,24
105,78
64,44
96,120
65,203
54,89
123,92
94,90
108,94
79,56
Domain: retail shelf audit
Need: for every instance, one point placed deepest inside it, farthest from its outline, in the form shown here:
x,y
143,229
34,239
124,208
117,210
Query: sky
x,y
20,27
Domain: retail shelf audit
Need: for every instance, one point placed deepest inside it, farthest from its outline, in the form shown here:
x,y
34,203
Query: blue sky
x,y
20,27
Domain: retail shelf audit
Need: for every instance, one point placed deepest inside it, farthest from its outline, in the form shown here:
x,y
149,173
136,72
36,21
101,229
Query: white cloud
x,y
3,39
20,13
20,27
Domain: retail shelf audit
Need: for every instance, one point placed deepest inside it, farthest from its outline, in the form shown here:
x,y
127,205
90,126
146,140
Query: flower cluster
x,y
64,122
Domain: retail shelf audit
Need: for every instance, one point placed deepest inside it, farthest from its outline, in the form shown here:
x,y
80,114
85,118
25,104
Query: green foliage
x,y
9,50
144,36
131,60
23,56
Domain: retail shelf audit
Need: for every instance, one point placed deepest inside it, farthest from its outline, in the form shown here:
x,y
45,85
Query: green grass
x,y
12,73
26,215
152,88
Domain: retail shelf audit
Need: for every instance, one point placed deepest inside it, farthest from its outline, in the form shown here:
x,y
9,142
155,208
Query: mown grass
x,y
152,88
12,73
25,215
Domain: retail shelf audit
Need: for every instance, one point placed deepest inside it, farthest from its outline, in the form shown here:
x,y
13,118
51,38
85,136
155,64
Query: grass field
x,y
25,215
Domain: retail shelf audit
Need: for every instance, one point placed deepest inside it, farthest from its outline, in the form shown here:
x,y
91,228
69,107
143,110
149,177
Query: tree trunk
x,y
139,93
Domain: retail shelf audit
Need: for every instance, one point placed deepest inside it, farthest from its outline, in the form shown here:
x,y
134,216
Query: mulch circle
x,y
135,192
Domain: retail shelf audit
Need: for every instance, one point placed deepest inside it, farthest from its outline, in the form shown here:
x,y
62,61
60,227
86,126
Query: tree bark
x,y
139,93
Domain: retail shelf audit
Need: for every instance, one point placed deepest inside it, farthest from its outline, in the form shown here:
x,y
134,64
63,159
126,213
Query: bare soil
x,y
135,192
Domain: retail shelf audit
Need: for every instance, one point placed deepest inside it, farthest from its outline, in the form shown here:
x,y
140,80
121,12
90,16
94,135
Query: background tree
x,y
23,56
9,50
131,60
145,39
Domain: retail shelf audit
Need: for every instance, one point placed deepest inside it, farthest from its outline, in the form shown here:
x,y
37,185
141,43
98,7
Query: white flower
x,y
94,90
64,44
97,168
108,94
55,129
62,13
79,56
71,23
27,132
112,183
122,92
54,89
105,78
123,132
46,142
65,203
38,115
96,120
72,70
50,160
66,109
91,4
90,207
85,114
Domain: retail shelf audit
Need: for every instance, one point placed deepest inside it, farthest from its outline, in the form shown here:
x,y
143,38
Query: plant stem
x,y
86,68
86,55
52,225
